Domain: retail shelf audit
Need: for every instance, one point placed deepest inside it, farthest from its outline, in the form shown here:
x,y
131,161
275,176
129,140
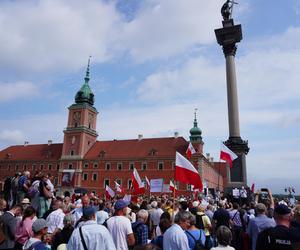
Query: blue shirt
x,y
175,239
140,231
198,234
258,224
95,236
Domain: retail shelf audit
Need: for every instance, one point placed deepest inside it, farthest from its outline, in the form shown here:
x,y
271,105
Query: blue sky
x,y
153,62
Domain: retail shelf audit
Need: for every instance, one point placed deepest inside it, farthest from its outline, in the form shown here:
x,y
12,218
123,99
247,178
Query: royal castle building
x,y
92,163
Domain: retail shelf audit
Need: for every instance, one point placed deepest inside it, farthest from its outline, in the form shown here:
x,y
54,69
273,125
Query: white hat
x,y
25,201
196,203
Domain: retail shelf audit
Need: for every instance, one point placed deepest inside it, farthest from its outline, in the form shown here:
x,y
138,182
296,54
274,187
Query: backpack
x,y
198,243
199,221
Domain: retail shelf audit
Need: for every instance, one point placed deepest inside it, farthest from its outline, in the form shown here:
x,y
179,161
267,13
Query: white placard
x,y
166,188
156,185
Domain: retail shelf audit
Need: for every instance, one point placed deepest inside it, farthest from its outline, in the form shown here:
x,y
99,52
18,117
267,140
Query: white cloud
x,y
17,90
163,29
48,35
11,136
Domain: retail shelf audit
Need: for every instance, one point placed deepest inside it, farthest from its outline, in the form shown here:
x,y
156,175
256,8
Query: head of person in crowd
x,y
165,215
89,213
192,221
282,215
222,204
142,215
182,218
261,209
183,206
154,204
121,207
3,205
101,206
296,212
29,212
27,174
210,207
68,221
25,203
58,204
39,228
224,236
235,205
85,201
164,224
17,210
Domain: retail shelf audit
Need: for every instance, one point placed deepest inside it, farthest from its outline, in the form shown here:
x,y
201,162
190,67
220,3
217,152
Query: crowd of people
x,y
33,217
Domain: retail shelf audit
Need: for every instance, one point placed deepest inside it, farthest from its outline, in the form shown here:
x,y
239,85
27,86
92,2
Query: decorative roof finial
x,y
195,113
87,75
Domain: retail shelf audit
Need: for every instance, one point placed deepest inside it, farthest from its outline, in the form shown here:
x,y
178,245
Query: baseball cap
x,y
87,212
38,225
120,204
282,209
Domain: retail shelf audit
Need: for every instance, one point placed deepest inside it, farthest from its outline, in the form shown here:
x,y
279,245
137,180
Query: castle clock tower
x,y
80,134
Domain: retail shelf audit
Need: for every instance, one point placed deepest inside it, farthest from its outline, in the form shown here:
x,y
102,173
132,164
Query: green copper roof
x,y
195,131
85,94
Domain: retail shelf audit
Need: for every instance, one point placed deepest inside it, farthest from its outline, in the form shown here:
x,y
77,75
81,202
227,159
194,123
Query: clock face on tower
x,y
76,118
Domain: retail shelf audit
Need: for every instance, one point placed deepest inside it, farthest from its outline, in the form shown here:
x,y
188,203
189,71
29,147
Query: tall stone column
x,y
227,37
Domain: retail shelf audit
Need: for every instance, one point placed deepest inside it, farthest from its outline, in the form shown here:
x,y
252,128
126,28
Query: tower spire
x,y
195,119
87,74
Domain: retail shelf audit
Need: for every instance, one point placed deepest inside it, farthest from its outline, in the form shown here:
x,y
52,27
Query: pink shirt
x,y
24,231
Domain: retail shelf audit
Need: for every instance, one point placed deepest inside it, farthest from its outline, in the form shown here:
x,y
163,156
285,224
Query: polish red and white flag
x,y
119,188
190,151
109,193
186,172
137,183
147,181
172,187
227,155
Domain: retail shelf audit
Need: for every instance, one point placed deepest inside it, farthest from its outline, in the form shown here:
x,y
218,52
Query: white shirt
x,y
101,217
119,227
95,237
55,220
155,216
77,213
220,247
175,239
50,185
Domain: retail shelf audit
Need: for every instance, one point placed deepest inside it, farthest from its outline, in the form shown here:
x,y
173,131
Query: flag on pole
x,y
109,193
252,187
186,172
147,181
190,151
172,187
119,188
227,155
137,183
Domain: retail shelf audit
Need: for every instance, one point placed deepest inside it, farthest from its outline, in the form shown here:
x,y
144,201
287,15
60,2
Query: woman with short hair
x,y
224,237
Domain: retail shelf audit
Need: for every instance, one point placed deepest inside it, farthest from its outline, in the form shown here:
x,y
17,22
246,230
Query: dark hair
x,y
224,235
184,205
165,215
235,205
164,224
29,211
101,206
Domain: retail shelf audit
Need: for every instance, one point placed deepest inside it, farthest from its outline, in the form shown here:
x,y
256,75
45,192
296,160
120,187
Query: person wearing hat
x,y
278,237
90,235
39,228
120,226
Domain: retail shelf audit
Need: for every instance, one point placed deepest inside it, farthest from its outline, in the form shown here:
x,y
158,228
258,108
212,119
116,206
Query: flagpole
x,y
219,170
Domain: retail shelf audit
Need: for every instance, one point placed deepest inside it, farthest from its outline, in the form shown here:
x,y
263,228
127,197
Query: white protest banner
x,y
156,185
166,188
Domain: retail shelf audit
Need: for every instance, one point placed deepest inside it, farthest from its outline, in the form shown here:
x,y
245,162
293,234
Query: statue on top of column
x,y
226,9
